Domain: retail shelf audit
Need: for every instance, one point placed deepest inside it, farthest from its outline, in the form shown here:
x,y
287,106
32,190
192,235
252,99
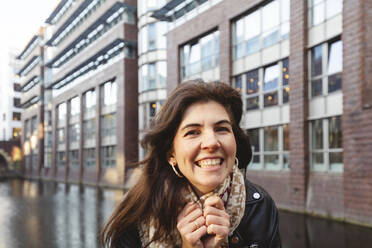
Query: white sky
x,y
20,20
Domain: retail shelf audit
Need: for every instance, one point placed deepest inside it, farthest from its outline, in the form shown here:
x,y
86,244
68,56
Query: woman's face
x,y
204,146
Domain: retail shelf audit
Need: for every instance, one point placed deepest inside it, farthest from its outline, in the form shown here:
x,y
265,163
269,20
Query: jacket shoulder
x,y
259,226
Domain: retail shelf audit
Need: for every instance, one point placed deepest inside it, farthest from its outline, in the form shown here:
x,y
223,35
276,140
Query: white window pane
x,y
270,15
314,2
271,77
161,32
335,58
162,73
252,25
195,53
239,32
285,10
144,40
317,14
334,7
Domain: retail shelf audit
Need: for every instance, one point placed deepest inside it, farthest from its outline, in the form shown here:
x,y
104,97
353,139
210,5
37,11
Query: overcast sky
x,y
19,21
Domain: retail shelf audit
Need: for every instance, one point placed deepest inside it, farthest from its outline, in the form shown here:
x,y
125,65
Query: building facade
x,y
152,66
303,69
90,99
10,112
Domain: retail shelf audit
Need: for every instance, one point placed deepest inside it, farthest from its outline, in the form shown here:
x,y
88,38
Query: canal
x,y
36,214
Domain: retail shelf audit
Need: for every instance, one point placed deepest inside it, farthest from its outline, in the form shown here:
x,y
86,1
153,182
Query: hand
x,y
217,222
191,225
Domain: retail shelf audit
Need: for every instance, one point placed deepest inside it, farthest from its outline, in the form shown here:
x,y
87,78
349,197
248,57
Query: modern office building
x,y
304,71
10,113
152,67
31,85
89,94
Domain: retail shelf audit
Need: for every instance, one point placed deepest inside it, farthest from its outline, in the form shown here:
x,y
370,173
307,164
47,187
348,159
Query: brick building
x,y
87,93
304,71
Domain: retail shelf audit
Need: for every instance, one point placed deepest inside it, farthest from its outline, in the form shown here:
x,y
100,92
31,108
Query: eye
x,y
223,129
191,133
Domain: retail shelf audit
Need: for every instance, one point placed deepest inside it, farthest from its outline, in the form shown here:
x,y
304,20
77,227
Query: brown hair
x,y
157,192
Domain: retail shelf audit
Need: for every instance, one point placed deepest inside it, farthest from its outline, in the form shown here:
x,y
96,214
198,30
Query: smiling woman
x,y
192,192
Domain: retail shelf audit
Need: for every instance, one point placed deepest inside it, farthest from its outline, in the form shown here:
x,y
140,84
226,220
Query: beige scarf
x,y
231,191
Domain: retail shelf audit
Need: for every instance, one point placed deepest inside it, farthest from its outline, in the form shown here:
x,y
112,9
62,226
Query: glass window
x,y
109,93
270,25
16,101
286,137
252,82
162,73
152,107
61,111
16,133
252,32
90,99
317,134
61,159
335,132
89,157
271,78
254,139
334,66
151,36
74,158
238,83
317,13
75,106
16,116
152,76
89,129
333,7
108,156
239,37
108,125
144,77
271,138
61,135
252,103
74,133
316,61
285,80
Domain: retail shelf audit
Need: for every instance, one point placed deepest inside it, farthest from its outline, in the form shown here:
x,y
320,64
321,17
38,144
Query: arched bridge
x,y
10,157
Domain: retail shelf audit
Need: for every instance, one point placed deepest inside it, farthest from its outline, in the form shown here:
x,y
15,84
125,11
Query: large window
x,y
153,75
89,157
73,158
74,133
74,107
270,147
108,156
108,125
272,92
61,113
262,28
89,129
16,133
326,68
90,100
61,159
322,10
16,116
326,144
152,37
200,55
109,93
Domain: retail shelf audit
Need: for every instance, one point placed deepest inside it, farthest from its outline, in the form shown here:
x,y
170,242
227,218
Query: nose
x,y
210,142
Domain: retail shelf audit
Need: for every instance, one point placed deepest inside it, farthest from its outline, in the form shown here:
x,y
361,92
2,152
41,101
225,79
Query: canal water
x,y
37,214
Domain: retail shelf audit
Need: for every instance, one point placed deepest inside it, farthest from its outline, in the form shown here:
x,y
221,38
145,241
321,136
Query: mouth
x,y
210,162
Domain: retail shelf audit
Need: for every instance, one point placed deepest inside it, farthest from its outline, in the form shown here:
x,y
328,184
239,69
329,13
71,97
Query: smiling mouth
x,y
207,163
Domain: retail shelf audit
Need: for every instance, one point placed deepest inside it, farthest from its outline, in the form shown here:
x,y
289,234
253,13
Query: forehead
x,y
205,111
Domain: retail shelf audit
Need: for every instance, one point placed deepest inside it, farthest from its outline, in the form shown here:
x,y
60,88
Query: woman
x,y
191,192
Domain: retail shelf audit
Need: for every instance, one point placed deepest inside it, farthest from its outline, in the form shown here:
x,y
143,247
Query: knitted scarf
x,y
231,191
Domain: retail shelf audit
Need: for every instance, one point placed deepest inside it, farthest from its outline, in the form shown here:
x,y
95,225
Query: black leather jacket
x,y
259,227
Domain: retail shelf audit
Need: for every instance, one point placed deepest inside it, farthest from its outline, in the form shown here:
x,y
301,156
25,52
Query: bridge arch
x,y
5,160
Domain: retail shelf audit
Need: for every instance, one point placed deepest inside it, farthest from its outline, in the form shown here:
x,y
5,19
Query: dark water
x,y
48,214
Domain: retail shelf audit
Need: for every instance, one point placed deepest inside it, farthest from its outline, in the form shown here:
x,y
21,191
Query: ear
x,y
172,161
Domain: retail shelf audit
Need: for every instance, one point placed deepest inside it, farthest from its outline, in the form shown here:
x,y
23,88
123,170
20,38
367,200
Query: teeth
x,y
205,163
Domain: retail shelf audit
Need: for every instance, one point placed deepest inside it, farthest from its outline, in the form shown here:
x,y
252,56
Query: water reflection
x,y
298,230
48,214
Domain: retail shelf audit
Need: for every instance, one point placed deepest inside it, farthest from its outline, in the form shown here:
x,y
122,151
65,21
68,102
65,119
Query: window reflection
x,y
109,93
252,82
74,106
334,66
271,138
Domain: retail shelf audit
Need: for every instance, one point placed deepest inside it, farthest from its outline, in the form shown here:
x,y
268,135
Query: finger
x,y
187,209
191,217
194,225
221,231
214,201
211,210
217,220
194,237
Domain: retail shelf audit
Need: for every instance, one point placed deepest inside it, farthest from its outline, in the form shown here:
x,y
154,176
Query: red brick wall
x,y
357,118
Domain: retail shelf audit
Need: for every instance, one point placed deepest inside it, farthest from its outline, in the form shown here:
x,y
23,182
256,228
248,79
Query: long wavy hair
x,y
156,195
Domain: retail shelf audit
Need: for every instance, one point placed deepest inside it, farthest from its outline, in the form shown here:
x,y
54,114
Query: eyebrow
x,y
198,125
